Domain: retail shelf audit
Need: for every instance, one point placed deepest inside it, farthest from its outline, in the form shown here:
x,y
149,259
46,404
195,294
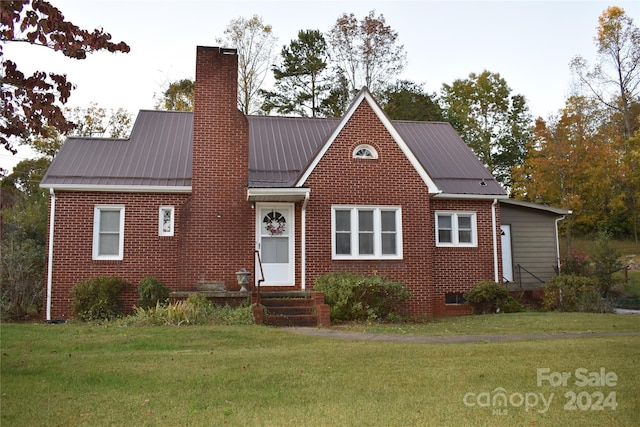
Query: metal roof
x,y
536,206
157,154
159,150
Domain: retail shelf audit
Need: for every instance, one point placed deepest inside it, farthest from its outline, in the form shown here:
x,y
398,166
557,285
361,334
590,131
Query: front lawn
x,y
512,323
80,374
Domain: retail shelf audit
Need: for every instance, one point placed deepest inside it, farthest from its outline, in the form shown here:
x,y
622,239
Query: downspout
x,y
303,243
495,240
52,219
558,242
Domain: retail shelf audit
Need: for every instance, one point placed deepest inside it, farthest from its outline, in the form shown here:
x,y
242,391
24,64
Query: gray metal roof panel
x,y
159,150
157,153
281,147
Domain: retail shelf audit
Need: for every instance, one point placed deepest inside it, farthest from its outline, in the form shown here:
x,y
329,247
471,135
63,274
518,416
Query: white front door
x,y
507,260
275,233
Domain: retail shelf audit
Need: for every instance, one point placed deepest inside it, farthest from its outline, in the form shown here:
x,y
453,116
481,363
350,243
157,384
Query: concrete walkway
x,y
448,339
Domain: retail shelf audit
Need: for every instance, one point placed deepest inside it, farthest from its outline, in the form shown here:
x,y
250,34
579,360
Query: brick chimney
x,y
219,221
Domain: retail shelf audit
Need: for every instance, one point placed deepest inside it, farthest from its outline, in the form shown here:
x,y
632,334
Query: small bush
x,y
356,297
511,305
607,261
98,298
577,264
573,293
195,310
151,292
487,297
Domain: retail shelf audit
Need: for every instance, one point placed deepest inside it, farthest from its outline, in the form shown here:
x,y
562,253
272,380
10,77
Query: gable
x,y
365,97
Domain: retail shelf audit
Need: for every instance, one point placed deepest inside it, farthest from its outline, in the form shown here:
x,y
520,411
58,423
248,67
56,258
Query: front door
x,y
275,242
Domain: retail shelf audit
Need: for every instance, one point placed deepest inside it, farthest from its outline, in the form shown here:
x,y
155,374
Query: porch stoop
x,y
292,308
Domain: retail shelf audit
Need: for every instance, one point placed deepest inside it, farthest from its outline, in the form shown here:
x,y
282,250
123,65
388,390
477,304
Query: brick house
x,y
190,197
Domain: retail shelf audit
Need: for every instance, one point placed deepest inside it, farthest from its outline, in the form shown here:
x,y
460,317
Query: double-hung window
x,y
108,232
366,232
456,229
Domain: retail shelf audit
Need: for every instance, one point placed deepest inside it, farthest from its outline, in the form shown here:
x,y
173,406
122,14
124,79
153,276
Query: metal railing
x,y
520,269
258,261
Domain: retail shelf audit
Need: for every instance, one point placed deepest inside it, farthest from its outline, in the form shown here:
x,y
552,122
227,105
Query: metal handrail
x,y
261,279
520,268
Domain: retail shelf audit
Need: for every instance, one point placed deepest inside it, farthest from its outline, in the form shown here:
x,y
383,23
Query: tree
x,y
254,41
367,51
178,96
336,103
571,164
96,121
31,104
23,222
407,100
300,82
493,122
615,79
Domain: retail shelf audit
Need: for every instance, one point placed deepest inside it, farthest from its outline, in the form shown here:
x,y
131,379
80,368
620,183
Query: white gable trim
x,y
366,95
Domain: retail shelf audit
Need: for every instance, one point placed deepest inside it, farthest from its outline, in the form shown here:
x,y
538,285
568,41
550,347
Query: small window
x,y
165,224
454,299
108,232
456,229
365,151
366,232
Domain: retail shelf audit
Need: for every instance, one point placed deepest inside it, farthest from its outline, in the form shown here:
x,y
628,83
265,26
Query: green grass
x,y
512,323
78,374
585,245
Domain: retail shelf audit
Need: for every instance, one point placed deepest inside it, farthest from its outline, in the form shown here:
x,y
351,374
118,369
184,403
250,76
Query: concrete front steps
x,y
291,308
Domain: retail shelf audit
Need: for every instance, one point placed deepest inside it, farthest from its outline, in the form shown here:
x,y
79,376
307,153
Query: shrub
x,y
486,297
607,261
195,310
21,278
356,297
511,305
98,298
577,264
151,292
569,292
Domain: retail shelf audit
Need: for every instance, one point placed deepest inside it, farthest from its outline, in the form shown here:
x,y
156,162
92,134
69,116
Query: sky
x,y
529,43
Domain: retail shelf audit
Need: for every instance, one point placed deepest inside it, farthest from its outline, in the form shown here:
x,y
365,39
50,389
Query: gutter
x,y
52,219
495,240
303,244
558,241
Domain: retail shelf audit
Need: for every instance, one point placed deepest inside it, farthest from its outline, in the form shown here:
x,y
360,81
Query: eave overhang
x,y
470,196
277,194
87,188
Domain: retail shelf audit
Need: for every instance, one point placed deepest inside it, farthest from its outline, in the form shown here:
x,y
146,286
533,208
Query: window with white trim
x,y
108,232
456,229
365,151
165,221
366,232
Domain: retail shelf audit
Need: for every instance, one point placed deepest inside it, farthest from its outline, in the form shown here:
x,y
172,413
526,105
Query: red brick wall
x,y
456,270
389,180
219,220
145,253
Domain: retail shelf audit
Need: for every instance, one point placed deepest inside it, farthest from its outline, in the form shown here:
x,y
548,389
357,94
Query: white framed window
x,y
456,229
108,232
165,221
365,151
366,232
